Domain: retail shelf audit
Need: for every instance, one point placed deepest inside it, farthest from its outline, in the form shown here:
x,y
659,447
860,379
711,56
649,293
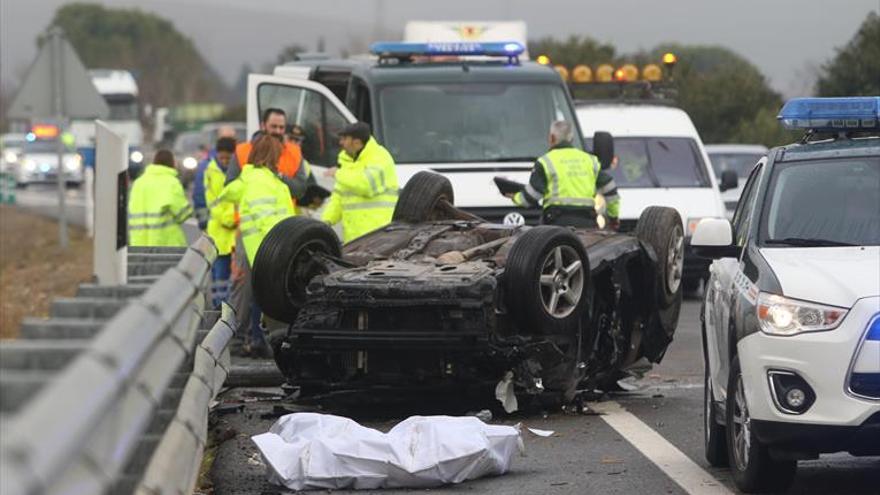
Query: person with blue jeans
x,y
222,221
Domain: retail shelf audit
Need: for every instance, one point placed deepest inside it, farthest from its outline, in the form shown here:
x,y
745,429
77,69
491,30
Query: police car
x,y
791,316
470,111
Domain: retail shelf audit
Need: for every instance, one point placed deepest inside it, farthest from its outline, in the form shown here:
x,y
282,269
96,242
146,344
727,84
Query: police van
x,y
791,316
468,110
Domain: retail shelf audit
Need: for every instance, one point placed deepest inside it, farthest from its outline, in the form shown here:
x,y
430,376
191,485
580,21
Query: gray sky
x,y
787,39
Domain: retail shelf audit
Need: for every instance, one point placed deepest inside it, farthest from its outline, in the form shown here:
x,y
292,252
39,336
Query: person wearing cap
x,y
564,182
365,193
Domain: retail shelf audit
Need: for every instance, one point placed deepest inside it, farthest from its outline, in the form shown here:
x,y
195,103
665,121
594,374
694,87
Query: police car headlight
x,y
29,165
10,157
136,156
783,316
190,163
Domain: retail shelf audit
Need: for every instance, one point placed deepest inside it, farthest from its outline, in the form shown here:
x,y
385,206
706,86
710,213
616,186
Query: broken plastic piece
x,y
505,394
541,433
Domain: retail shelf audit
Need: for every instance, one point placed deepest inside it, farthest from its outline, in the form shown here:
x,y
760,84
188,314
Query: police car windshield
x,y
741,163
823,202
470,122
647,162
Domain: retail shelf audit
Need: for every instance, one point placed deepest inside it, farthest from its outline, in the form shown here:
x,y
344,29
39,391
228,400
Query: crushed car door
x,y
723,288
308,104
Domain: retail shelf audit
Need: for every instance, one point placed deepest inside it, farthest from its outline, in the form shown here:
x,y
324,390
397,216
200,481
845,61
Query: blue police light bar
x,y
490,49
831,114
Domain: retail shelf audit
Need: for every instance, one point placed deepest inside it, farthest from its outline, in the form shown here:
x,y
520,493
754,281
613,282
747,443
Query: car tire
x,y
418,199
285,264
660,227
752,467
546,295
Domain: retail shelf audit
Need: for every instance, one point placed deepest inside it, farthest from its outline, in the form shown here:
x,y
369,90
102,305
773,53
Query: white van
x,y
662,162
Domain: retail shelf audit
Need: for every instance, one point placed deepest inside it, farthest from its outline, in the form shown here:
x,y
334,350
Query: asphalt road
x,y
646,441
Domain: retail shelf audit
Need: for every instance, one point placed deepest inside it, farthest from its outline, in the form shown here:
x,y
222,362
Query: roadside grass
x,y
34,269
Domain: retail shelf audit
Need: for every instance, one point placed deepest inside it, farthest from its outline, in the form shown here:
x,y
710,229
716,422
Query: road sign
x,y
79,98
57,86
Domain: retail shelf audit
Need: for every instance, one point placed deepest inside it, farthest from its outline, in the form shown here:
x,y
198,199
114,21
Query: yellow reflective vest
x,y
157,206
365,192
221,223
263,200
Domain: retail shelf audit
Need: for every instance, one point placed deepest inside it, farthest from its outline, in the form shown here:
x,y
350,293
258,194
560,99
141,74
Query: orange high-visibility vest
x,y
288,163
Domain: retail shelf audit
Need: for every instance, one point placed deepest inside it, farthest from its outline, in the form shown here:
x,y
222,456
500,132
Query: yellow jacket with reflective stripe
x,y
263,200
571,177
157,206
221,224
365,192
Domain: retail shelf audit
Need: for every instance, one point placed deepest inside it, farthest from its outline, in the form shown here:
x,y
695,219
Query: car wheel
x,y
660,228
714,434
754,470
546,280
285,263
418,201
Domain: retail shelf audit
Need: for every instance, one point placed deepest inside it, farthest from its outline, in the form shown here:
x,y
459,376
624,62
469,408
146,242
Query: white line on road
x,y
679,467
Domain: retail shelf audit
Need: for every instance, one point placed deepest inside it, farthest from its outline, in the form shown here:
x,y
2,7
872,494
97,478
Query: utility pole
x,y
55,38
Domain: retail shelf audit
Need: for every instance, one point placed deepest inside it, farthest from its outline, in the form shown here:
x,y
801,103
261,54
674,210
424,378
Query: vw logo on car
x,y
514,219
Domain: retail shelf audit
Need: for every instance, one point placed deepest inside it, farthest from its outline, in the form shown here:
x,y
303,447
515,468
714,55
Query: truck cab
x,y
469,111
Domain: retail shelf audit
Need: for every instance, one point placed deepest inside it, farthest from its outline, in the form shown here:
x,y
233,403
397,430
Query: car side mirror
x,y
603,148
713,238
729,180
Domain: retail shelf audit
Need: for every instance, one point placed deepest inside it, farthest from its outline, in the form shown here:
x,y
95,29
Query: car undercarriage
x,y
440,297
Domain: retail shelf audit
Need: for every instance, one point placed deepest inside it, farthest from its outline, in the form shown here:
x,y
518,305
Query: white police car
x,y
791,317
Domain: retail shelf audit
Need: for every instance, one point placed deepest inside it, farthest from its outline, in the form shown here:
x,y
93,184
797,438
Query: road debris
x,y
321,451
505,394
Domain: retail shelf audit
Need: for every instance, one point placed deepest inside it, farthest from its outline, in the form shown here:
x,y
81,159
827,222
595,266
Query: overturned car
x,y
440,296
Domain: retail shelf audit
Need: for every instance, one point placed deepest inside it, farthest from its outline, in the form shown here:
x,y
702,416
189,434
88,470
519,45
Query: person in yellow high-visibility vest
x,y
157,205
221,216
263,200
366,184
565,181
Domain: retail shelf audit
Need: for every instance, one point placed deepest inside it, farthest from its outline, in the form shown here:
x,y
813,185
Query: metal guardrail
x,y
111,393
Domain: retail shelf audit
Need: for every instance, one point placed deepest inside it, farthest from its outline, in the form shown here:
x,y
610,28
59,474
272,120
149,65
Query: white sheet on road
x,y
320,451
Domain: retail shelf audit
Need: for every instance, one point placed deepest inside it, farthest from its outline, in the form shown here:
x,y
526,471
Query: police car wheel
x,y
286,263
419,198
754,469
546,279
660,227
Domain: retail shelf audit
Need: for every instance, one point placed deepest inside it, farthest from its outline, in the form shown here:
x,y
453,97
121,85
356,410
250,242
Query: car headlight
x,y
29,165
190,163
136,156
73,164
10,157
783,316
